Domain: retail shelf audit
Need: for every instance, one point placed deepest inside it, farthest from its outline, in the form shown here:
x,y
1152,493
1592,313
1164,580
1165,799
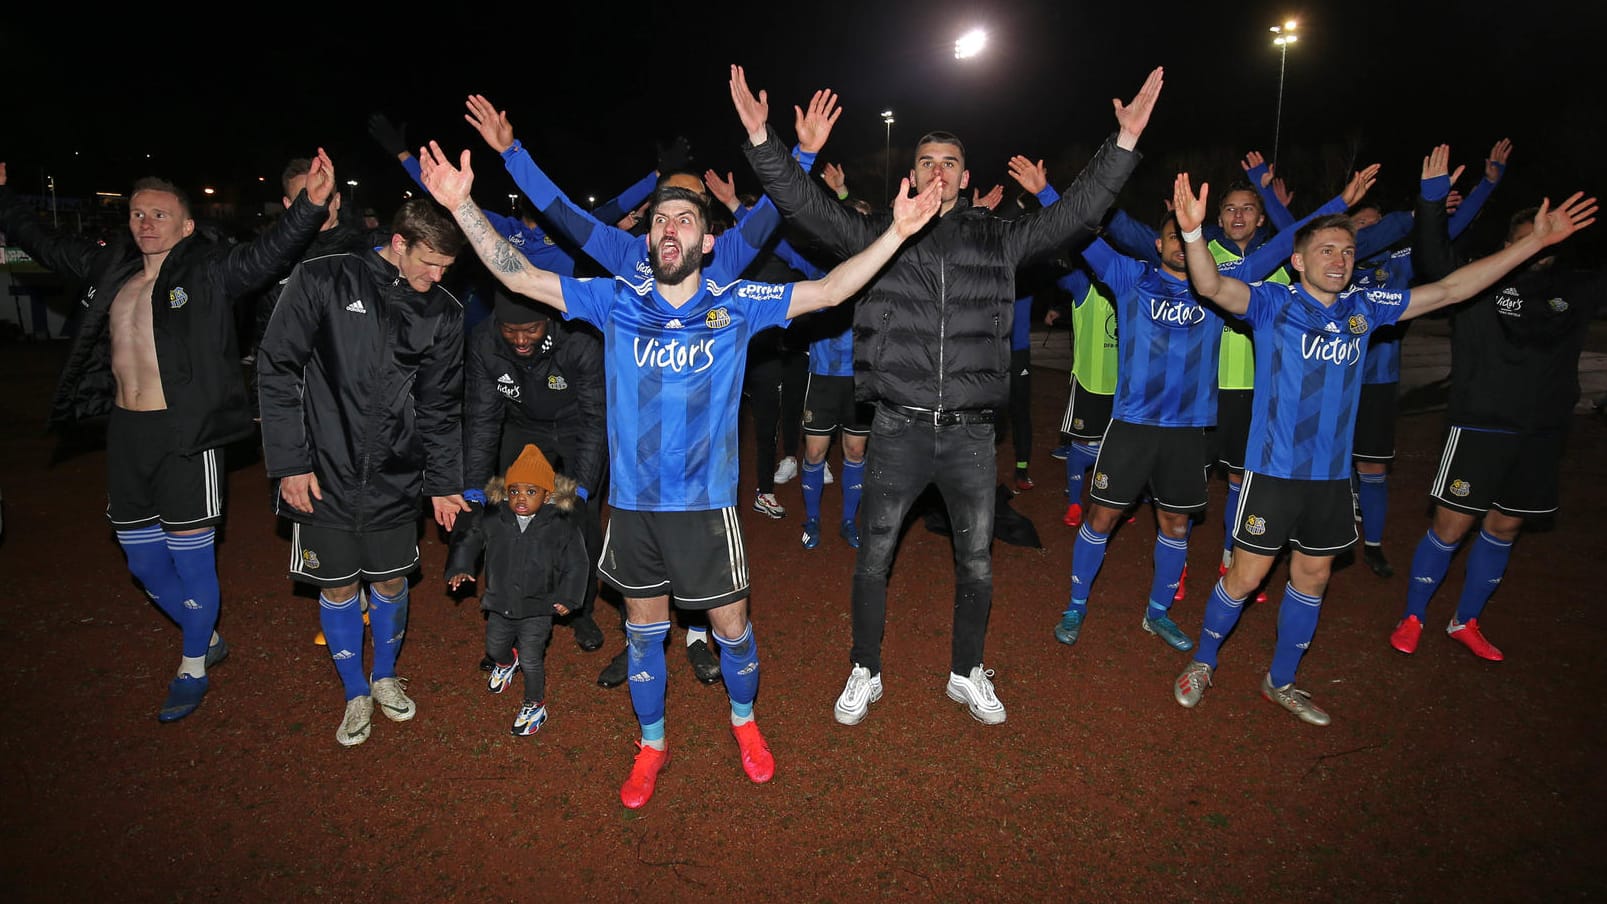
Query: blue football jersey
x,y
674,382
1308,367
1392,271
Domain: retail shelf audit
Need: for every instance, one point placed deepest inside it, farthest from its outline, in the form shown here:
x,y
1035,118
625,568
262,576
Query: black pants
x,y
530,635
775,384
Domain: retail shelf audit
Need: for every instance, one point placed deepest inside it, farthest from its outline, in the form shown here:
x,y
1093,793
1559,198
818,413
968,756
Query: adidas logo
x,y
356,307
343,654
1423,580
195,606
642,677
1331,327
675,324
504,379
749,668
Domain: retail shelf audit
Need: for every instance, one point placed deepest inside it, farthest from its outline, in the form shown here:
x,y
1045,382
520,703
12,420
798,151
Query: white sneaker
x,y
829,478
976,692
854,702
767,504
786,470
359,719
397,706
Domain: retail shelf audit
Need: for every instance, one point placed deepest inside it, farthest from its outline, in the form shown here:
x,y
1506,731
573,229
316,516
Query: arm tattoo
x,y
492,248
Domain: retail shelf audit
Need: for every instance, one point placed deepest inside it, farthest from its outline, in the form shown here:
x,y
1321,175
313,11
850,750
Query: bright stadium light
x,y
970,44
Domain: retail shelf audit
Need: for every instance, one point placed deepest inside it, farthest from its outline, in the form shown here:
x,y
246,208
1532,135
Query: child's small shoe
x,y
502,675
530,719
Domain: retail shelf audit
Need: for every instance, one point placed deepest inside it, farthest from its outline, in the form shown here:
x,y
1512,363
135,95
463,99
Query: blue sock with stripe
x,y
813,480
1086,558
1372,492
1221,614
1487,564
1082,457
853,484
387,624
1171,554
644,655
1297,624
195,560
1429,564
739,665
151,562
1230,512
343,632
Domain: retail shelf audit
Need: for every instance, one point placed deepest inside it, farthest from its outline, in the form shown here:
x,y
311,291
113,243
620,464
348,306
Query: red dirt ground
x,y
1442,777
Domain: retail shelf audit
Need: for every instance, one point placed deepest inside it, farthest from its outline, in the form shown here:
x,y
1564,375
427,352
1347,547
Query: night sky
x,y
223,102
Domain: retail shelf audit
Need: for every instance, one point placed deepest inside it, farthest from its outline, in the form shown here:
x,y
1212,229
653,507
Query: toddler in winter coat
x,y
535,567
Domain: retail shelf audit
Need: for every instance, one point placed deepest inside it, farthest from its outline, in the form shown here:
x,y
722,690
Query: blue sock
x,y
1086,558
1082,457
343,632
387,623
1297,622
195,561
653,734
1372,491
853,484
1171,554
813,480
151,562
1487,563
1221,614
1230,514
1429,564
739,665
645,657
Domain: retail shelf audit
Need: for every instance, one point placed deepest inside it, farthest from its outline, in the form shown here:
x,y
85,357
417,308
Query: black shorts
x,y
1171,460
829,406
332,557
697,558
1087,413
1316,516
1514,473
149,480
1375,422
1232,431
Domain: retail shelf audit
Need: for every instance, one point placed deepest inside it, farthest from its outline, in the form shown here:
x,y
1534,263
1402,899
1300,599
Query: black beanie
x,y
510,308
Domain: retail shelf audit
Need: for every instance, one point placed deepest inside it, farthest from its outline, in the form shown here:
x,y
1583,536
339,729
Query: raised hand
x,y
833,176
1033,177
1134,115
990,200
814,126
1453,200
912,213
1360,182
1282,192
1253,160
753,111
1496,163
391,137
491,123
320,178
449,185
1438,162
1574,214
723,190
1189,210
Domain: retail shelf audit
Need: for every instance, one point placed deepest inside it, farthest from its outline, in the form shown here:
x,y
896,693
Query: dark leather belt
x,y
944,418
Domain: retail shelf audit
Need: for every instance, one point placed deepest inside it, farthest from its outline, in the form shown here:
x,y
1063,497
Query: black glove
x,y
677,155
391,137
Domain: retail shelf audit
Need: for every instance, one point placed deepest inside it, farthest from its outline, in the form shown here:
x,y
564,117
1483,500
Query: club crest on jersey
x,y
1460,487
309,560
1357,324
557,383
719,318
1255,525
808,416
546,240
1557,304
177,297
1101,480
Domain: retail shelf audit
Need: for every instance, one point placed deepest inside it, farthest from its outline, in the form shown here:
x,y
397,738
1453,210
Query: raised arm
x,y
450,186
272,255
1259,174
848,277
1495,166
1550,227
1230,294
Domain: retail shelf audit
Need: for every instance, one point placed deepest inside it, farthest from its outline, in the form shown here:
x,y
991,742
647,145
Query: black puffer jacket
x,y
192,317
361,383
556,395
527,571
933,329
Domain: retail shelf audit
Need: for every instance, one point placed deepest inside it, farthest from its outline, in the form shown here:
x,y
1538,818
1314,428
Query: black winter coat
x,y
527,571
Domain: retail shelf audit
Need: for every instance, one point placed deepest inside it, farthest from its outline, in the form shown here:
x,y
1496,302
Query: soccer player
x,y
1310,339
931,347
157,355
360,376
675,346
